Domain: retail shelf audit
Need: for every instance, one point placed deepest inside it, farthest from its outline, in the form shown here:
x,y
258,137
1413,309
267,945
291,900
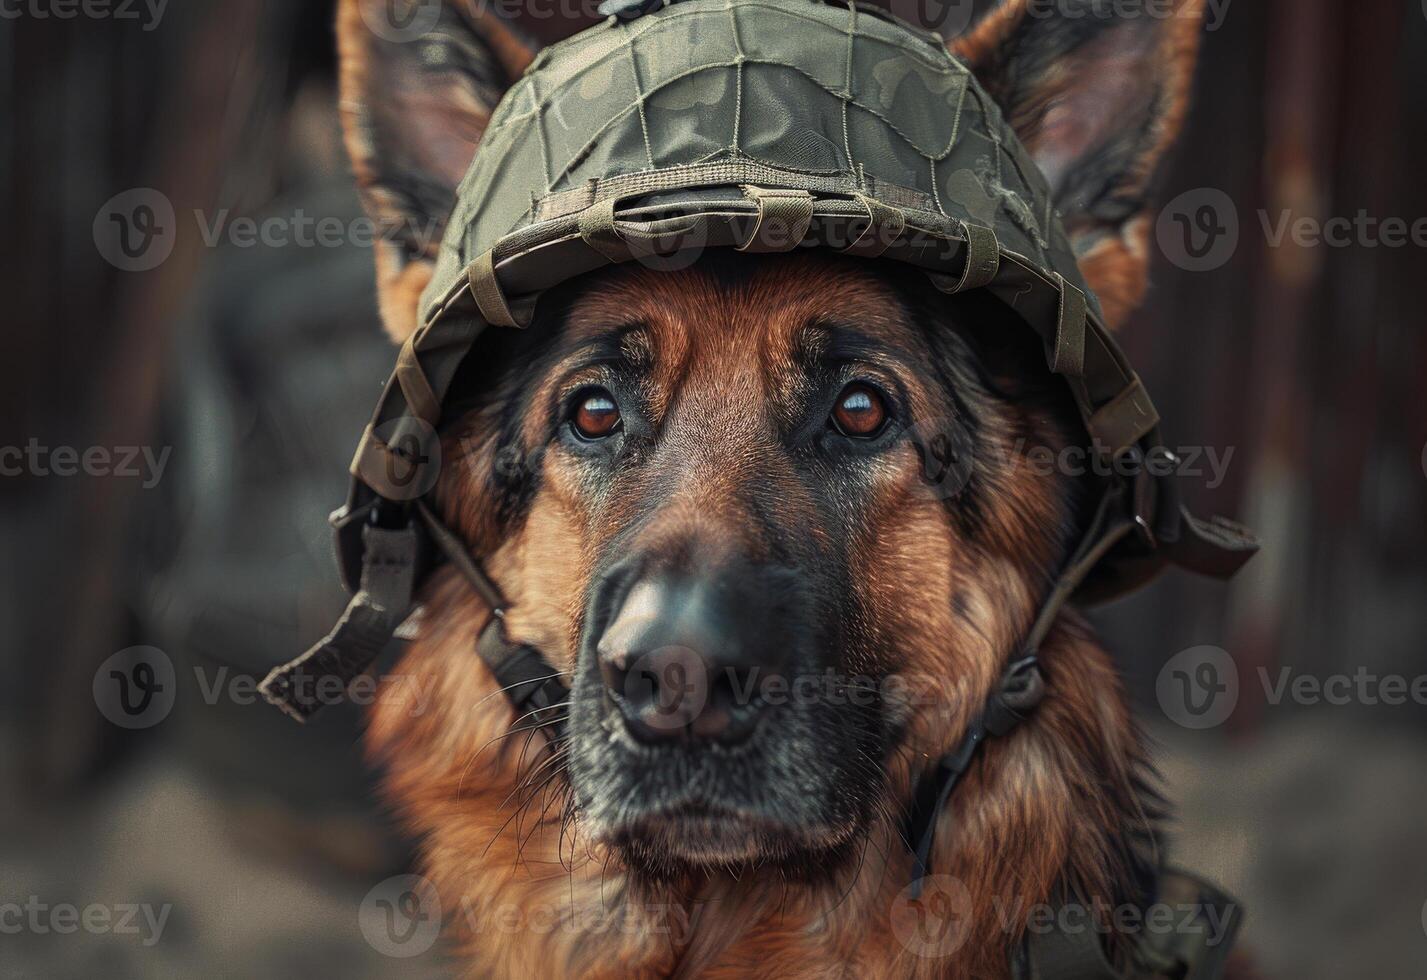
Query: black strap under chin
x,y
1021,689
534,687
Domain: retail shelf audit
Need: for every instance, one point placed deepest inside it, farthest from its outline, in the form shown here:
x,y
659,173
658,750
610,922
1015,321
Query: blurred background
x,y
240,369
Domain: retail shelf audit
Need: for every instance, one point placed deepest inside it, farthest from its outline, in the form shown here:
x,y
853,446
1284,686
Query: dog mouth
x,y
702,834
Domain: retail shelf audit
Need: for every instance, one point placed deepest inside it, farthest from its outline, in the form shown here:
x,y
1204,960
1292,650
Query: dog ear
x,y
418,83
1096,95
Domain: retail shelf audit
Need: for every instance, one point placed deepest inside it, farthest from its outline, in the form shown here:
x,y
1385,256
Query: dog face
x,y
792,528
770,513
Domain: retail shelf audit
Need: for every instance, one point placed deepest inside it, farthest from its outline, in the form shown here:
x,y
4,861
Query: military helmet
x,y
768,126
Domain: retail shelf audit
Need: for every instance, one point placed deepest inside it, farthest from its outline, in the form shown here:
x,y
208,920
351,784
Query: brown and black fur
x,y
578,861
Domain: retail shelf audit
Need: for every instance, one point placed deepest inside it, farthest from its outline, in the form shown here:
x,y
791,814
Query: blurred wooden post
x,y
209,95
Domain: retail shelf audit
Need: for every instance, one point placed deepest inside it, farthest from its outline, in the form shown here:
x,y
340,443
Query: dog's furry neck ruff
x,y
1058,811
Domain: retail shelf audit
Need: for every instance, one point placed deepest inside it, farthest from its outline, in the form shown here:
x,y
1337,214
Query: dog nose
x,y
685,659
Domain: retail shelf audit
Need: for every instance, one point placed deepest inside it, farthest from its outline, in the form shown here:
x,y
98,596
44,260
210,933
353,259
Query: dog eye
x,y
860,411
596,415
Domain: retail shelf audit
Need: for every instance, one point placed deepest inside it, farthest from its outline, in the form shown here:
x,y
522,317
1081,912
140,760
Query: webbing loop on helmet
x,y
598,230
1067,349
784,216
983,257
1124,420
415,386
884,226
370,460
489,297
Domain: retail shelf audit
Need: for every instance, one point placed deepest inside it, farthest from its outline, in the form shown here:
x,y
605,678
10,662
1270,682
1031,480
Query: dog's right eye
x,y
860,412
596,414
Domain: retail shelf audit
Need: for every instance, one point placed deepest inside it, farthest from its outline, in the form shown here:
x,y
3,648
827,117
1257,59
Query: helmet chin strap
x,y
1021,688
390,559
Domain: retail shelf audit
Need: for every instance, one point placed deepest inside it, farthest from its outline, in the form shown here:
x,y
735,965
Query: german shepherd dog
x,y
725,459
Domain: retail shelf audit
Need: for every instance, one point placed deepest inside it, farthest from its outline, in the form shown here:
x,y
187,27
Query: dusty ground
x,y
1320,827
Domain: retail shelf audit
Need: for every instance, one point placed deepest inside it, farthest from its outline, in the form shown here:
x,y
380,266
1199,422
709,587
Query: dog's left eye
x,y
596,414
860,411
